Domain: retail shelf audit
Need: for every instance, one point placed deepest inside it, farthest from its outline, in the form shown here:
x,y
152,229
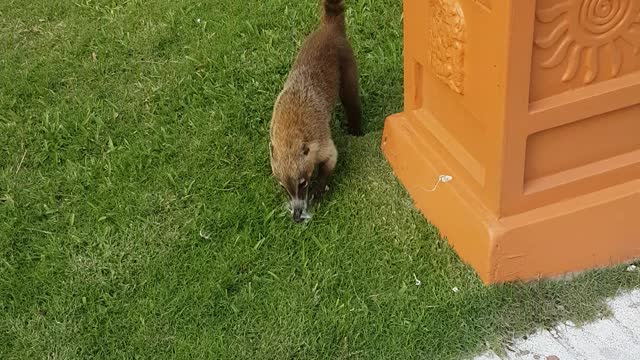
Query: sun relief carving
x,y
585,28
447,40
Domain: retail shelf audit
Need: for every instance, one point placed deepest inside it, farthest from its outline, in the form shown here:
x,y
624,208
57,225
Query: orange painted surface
x,y
534,108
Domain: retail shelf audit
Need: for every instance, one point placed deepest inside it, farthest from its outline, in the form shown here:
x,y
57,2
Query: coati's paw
x,y
318,193
316,196
356,132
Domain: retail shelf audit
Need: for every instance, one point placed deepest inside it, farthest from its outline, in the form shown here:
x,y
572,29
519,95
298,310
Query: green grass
x,y
138,217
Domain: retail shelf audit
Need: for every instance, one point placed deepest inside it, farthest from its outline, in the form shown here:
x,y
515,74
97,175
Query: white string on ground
x,y
441,179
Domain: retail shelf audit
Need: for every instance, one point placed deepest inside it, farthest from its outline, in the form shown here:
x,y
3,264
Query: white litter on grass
x,y
632,268
198,20
204,235
455,290
418,282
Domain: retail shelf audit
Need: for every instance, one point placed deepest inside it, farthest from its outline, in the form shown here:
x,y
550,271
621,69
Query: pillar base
x,y
591,231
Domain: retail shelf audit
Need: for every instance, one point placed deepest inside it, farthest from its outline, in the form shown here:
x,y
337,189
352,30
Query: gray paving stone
x,y
615,338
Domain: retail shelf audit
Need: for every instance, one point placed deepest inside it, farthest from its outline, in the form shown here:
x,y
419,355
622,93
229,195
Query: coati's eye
x,y
303,183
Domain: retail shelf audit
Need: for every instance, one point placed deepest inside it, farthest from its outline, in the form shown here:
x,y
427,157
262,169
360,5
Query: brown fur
x,y
324,70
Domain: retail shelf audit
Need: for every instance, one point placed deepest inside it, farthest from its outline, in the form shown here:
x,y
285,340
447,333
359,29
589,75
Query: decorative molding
x,y
447,43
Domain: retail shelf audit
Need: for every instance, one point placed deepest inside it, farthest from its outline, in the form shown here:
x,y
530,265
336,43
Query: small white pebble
x,y
418,282
198,20
632,268
456,290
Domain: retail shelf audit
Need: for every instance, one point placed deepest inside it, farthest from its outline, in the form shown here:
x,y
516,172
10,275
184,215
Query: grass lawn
x,y
139,219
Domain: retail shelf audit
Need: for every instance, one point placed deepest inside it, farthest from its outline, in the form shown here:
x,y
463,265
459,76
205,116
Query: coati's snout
x,y
298,198
293,167
297,213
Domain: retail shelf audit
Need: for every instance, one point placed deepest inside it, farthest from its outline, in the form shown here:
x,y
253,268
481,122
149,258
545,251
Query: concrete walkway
x,y
615,338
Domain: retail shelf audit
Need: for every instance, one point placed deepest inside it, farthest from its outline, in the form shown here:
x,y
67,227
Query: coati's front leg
x,y
350,90
325,170
320,187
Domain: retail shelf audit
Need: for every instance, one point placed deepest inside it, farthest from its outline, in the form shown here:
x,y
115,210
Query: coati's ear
x,y
305,149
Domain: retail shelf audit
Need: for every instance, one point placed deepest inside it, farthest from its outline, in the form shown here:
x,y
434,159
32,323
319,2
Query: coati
x,y
300,135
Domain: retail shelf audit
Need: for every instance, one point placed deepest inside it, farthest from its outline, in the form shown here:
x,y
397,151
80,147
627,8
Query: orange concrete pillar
x,y
533,107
